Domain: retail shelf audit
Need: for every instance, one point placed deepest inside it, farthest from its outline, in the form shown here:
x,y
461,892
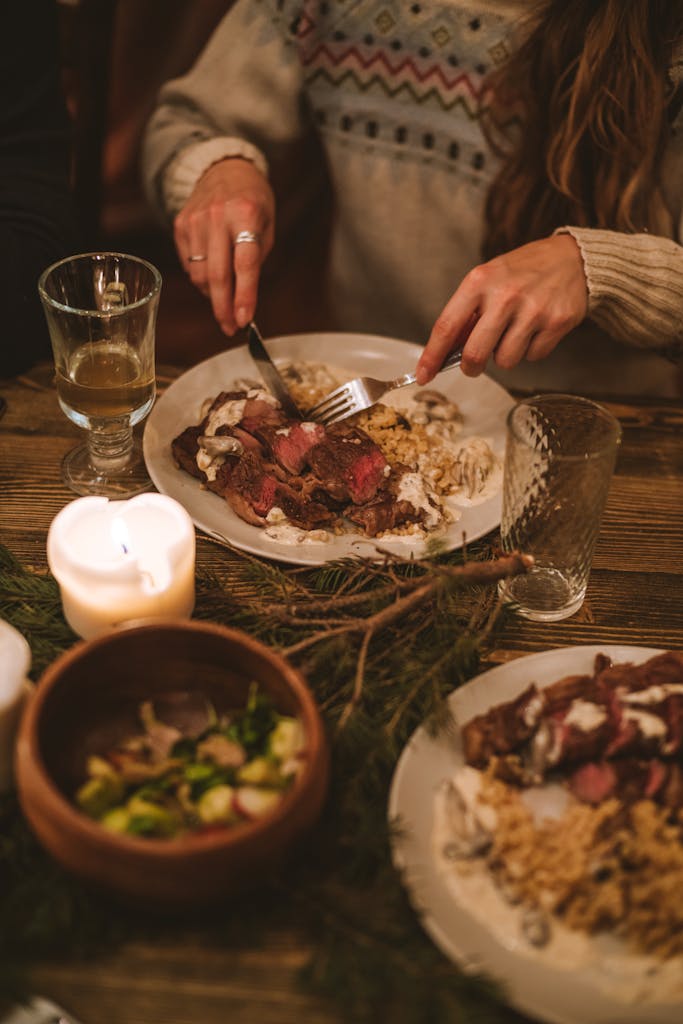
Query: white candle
x,y
116,561
15,661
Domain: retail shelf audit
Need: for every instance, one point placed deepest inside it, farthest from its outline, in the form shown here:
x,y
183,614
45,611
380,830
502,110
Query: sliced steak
x,y
616,734
560,695
503,728
254,489
656,671
248,440
673,712
184,448
383,513
251,489
672,791
640,733
657,776
630,779
594,782
348,464
290,445
302,511
575,742
259,413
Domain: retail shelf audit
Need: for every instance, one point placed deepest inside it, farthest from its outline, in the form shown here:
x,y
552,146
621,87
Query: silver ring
x,y
199,258
246,236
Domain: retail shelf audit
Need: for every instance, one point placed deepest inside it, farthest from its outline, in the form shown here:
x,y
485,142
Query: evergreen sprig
x,y
370,955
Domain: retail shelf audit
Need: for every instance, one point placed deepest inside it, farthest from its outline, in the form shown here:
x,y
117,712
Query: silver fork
x,y
361,393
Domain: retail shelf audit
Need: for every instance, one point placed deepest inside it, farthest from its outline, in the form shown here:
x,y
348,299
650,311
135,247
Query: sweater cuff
x,y
184,171
615,261
634,284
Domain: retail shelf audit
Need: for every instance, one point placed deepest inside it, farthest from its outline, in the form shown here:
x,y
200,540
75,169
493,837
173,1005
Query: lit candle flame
x,y
119,532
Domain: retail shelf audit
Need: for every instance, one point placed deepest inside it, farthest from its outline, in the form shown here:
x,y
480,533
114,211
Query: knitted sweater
x,y
393,89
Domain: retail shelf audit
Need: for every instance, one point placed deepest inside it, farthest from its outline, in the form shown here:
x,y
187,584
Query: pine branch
x,y
420,593
382,642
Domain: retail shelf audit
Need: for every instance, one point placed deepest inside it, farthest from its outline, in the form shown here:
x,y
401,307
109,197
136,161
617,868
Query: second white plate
x,y
611,984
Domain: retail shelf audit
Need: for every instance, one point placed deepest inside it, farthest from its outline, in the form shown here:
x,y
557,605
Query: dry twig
x,y
420,590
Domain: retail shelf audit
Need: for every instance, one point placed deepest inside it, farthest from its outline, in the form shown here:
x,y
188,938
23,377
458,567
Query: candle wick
x,y
124,549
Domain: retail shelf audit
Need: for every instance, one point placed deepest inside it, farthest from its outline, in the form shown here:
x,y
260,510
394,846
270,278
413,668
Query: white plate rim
x,y
359,353
548,994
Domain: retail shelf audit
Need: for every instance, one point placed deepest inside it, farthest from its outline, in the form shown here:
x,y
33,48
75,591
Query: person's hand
x,y
232,196
519,305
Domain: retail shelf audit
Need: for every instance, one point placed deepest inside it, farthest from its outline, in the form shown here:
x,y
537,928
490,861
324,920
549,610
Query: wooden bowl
x,y
88,699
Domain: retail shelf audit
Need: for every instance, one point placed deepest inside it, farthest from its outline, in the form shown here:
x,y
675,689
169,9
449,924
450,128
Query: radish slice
x,y
252,802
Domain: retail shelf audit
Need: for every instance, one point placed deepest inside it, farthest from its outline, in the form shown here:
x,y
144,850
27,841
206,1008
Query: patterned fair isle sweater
x,y
393,89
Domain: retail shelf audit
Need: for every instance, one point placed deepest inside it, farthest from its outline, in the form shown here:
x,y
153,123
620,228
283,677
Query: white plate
x,y
548,991
484,405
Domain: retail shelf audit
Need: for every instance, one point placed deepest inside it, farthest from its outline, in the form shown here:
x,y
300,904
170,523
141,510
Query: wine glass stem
x,y
110,443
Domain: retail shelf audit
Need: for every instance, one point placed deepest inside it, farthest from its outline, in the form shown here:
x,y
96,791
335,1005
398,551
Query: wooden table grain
x,y
635,596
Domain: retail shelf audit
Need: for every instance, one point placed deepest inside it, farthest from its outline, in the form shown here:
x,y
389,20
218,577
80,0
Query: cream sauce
x,y
279,529
209,464
412,488
227,415
653,694
650,726
532,712
585,716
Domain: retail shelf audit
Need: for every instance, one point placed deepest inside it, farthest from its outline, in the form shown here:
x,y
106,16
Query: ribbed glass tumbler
x,y
559,459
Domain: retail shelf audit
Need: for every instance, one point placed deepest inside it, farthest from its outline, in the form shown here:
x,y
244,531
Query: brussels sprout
x,y
286,739
147,818
116,820
98,795
260,771
215,806
97,767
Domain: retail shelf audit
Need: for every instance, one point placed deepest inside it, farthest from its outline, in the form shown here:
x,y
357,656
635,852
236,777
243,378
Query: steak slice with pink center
x,y
254,489
629,778
250,492
259,413
593,782
291,444
349,465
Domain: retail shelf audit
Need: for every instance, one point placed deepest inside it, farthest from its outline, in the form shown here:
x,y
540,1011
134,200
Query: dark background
x,y
115,56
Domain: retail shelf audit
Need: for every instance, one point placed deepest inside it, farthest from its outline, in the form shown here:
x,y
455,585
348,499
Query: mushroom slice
x,y
468,835
535,926
476,462
430,397
220,444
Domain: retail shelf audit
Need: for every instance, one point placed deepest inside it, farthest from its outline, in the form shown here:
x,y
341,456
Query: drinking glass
x,y
559,458
101,312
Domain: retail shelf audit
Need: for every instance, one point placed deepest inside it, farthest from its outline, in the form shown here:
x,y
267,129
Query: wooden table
x,y
635,596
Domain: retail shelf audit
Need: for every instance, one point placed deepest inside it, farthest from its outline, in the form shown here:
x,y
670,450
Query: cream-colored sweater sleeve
x,y
242,97
635,285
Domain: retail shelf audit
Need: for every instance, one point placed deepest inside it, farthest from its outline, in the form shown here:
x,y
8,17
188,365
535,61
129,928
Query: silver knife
x,y
271,374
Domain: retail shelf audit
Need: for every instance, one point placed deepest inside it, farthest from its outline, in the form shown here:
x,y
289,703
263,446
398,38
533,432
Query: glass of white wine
x,y
101,312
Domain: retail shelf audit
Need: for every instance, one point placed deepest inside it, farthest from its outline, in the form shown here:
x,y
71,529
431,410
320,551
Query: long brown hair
x,y
590,94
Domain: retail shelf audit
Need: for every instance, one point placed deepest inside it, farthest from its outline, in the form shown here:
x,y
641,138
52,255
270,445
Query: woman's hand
x,y
519,305
232,196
